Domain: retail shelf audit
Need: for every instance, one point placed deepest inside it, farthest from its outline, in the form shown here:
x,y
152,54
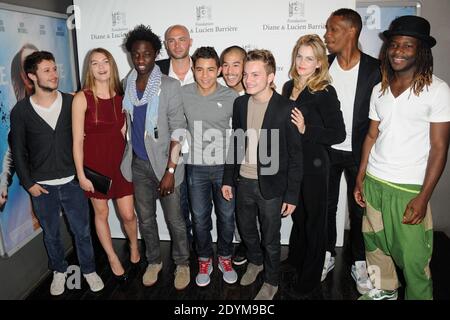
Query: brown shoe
x,y
182,276
250,274
151,274
266,292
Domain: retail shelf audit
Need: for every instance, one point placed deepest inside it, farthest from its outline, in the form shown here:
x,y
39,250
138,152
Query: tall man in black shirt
x,y
41,145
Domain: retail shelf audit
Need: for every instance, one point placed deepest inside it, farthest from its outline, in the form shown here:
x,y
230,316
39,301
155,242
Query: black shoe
x,y
287,267
240,255
122,279
293,291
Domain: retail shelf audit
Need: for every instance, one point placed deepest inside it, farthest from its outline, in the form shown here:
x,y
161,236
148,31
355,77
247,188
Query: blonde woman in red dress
x,y
99,127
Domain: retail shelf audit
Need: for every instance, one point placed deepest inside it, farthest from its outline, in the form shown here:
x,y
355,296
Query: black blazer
x,y
285,182
324,125
164,65
368,76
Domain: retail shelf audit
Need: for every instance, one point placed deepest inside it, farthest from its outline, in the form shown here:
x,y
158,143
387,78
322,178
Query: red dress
x,y
104,144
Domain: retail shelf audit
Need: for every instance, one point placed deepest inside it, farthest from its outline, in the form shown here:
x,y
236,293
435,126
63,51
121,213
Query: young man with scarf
x,y
156,124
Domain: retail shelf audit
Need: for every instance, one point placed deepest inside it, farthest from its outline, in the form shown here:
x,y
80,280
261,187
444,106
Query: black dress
x,y
324,126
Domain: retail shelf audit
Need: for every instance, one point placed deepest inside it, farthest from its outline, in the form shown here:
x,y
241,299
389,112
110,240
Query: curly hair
x,y
142,33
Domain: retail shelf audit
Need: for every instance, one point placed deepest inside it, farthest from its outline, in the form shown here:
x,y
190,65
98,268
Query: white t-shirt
x,y
401,151
188,78
51,115
345,81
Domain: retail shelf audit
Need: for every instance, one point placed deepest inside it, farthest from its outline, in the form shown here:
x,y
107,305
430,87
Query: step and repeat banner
x,y
23,31
253,24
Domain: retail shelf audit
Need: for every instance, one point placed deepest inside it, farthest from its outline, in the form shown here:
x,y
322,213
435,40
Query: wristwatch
x,y
170,170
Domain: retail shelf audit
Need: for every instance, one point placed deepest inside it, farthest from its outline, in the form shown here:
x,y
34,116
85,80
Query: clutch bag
x,y
101,182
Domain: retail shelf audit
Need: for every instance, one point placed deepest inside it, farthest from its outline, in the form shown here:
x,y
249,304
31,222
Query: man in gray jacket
x,y
156,124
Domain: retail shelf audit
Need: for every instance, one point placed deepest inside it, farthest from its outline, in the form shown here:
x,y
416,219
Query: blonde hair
x,y
114,81
320,79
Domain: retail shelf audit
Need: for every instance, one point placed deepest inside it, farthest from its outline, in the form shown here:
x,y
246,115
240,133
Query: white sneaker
x,y
328,265
58,283
94,281
377,294
361,277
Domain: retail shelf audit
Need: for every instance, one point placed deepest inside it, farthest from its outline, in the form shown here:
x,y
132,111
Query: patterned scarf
x,y
149,98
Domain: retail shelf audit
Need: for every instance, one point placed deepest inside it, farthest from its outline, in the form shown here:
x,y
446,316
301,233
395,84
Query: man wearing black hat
x,y
403,157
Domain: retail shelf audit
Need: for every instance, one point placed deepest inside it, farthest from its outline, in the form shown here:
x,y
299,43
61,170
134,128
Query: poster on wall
x,y
22,31
376,17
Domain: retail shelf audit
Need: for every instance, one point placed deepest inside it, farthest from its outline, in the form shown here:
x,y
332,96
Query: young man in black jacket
x,y
265,167
41,145
354,75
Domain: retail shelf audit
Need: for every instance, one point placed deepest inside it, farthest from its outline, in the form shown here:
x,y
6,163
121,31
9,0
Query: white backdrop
x,y
252,24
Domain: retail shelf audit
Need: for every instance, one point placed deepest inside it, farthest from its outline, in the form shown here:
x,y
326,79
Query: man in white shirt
x,y
403,157
354,75
177,42
41,146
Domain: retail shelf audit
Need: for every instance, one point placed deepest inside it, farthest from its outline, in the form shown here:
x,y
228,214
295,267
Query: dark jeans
x,y
307,241
342,161
47,207
205,183
249,205
184,202
146,186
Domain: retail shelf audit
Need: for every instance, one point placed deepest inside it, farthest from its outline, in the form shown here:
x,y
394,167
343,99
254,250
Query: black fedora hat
x,y
412,26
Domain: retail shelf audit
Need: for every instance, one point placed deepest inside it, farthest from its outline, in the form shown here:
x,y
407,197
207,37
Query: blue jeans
x,y
205,183
47,207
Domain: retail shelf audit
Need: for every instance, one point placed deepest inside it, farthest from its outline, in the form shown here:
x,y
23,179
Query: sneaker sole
x,y
182,288
395,297
209,281
328,271
54,294
239,263
97,290
360,289
229,282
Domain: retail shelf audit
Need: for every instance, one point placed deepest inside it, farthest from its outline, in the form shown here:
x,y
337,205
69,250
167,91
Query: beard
x,y
46,88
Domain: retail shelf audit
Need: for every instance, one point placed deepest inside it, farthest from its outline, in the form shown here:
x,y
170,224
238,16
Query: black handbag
x,y
100,182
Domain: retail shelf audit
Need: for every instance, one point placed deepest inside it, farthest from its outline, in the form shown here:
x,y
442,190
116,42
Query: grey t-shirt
x,y
208,123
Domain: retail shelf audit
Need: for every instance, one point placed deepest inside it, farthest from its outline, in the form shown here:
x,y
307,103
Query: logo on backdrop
x,y
204,22
119,19
204,14
296,11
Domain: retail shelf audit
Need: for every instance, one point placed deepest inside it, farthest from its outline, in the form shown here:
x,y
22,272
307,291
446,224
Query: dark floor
x,y
338,285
